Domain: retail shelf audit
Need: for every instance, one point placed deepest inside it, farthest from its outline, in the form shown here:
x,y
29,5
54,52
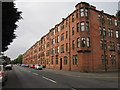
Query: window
x,y
113,59
52,32
73,45
76,13
81,12
77,25
103,20
105,44
65,60
109,21
62,48
118,46
47,61
52,51
48,37
57,39
66,22
86,12
112,46
87,26
72,30
83,41
112,35
62,25
117,34
57,50
98,17
78,42
52,60
104,60
88,42
66,34
100,31
101,44
52,41
116,23
66,47
82,26
57,60
73,18
62,36
75,59
58,28
104,31
109,32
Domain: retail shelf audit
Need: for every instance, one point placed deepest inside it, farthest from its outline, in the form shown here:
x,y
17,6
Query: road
x,y
22,77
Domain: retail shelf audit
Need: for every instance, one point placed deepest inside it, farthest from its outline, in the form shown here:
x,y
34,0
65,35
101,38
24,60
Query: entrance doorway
x,y
60,63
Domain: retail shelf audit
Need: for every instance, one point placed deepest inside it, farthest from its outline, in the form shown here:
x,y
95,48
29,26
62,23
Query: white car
x,y
38,67
3,74
8,67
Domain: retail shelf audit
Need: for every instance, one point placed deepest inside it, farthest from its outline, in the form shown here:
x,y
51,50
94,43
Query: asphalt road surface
x,y
23,77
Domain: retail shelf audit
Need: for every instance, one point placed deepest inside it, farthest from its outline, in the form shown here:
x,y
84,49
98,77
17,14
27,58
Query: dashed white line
x,y
29,71
73,89
35,73
49,79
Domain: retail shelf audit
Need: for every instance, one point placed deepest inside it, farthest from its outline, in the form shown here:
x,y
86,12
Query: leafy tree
x,y
10,15
17,60
118,14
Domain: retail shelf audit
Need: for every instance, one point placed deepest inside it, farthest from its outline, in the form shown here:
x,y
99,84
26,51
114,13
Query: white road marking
x,y
73,89
49,79
35,73
29,71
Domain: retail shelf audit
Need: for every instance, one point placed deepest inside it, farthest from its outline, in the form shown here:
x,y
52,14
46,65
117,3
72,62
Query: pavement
x,y
83,74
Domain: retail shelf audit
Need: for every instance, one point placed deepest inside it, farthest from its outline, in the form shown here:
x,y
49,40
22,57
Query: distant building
x,y
85,41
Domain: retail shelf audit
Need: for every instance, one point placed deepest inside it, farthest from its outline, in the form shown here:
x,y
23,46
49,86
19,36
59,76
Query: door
x,y
60,63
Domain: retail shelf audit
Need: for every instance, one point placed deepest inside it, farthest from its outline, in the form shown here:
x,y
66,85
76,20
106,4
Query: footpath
x,y
83,74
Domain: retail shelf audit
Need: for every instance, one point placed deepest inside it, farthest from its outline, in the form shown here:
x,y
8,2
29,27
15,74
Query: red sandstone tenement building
x,y
85,41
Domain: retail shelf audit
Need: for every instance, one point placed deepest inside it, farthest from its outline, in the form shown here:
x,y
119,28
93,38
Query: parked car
x,y
38,67
22,65
8,67
26,65
32,66
3,75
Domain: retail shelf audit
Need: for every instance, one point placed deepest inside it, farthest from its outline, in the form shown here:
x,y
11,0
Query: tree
x,y
118,14
10,15
17,60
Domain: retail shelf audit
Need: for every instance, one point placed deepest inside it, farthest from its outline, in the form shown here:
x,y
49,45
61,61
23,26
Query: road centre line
x,y
49,79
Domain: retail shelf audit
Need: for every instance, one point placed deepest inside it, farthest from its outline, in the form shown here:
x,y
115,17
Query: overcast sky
x,y
40,17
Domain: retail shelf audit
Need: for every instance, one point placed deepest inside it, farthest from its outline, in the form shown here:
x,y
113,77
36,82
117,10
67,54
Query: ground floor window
x,y
113,59
65,60
75,59
104,59
56,60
